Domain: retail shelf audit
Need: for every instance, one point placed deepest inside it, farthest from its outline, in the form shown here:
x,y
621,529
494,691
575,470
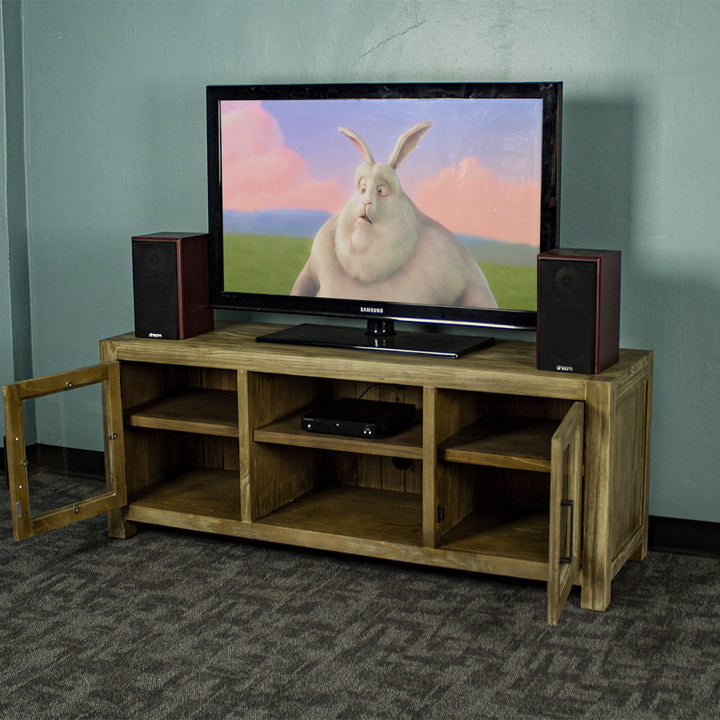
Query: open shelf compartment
x,y
182,443
192,494
509,485
519,533
278,403
355,512
287,463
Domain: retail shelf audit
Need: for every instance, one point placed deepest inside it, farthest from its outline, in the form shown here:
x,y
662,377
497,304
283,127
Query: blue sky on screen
x,y
504,135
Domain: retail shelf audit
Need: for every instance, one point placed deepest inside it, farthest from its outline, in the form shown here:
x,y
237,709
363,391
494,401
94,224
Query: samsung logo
x,y
368,309
565,368
155,335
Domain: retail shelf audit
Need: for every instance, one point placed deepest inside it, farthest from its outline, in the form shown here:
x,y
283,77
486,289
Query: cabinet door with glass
x,y
81,502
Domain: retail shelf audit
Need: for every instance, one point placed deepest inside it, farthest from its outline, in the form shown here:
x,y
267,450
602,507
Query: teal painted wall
x,y
114,146
6,344
15,343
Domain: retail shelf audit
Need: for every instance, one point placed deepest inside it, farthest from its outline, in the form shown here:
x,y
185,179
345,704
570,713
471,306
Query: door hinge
x,y
440,513
18,509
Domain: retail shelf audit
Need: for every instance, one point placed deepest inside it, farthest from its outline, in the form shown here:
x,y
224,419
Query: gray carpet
x,y
181,625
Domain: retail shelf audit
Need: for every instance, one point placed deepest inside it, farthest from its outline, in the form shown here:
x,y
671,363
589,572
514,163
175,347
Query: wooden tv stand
x,y
508,470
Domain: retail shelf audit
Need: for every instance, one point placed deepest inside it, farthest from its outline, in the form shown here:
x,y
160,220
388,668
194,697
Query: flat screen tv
x,y
418,203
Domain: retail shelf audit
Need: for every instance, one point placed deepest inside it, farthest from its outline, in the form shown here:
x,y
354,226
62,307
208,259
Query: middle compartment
x,y
358,487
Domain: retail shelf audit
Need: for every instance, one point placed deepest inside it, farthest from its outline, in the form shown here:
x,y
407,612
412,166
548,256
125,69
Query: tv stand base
x,y
415,343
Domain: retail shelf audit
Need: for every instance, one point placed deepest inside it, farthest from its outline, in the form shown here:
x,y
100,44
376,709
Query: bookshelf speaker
x,y
578,327
170,285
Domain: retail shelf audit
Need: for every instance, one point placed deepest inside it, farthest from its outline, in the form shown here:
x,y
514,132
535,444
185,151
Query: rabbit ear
x,y
359,144
408,142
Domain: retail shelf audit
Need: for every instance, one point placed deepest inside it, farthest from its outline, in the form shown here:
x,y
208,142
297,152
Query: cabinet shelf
x,y
288,431
196,493
344,510
502,441
206,412
502,532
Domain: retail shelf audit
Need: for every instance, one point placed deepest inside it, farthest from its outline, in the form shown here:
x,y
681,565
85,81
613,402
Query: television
x,y
421,203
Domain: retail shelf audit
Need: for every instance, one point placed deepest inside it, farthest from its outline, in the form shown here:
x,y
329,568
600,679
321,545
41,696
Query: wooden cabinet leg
x,y
595,593
118,527
641,553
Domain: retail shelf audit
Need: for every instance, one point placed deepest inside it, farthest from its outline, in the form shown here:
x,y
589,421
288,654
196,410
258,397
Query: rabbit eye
x,y
383,190
362,188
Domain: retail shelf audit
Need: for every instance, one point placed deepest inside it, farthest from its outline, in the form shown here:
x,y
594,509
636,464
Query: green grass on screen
x,y
270,264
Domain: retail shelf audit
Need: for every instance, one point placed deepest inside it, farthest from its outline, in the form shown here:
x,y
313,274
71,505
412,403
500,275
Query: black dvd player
x,y
359,418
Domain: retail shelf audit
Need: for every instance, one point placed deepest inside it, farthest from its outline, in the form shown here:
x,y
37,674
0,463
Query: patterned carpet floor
x,y
174,625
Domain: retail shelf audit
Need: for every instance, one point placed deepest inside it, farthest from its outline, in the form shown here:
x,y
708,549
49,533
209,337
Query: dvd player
x,y
359,418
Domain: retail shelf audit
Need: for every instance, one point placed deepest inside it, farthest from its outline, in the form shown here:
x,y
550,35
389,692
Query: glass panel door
x,y
35,509
565,510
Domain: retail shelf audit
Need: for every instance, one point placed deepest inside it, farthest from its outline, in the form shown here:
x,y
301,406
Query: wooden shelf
x,y
195,493
502,532
383,515
407,444
516,443
207,412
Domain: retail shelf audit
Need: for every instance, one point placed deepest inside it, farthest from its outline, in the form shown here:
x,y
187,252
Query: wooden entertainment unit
x,y
509,470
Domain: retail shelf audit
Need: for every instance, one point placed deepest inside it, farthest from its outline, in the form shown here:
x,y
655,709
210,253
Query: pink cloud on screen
x,y
260,172
471,199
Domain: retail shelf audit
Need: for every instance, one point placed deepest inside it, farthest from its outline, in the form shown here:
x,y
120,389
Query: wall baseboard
x,y
688,537
62,460
673,535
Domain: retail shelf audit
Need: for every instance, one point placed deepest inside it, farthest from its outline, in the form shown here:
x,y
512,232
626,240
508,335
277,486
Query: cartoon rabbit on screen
x,y
381,247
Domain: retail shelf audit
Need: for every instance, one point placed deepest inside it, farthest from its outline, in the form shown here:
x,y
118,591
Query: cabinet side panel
x,y
642,551
627,491
599,440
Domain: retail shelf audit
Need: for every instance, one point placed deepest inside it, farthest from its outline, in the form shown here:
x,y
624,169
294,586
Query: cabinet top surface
x,y
504,367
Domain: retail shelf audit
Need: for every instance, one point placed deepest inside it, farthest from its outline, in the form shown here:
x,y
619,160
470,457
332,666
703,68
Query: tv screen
x,y
416,202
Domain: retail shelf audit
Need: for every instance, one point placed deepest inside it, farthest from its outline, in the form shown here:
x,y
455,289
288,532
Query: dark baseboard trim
x,y
673,535
62,460
688,537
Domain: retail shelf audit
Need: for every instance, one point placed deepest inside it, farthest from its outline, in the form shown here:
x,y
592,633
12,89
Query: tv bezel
x,y
220,298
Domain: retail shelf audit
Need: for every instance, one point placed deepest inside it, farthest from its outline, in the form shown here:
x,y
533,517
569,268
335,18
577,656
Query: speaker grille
x,y
567,312
155,289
